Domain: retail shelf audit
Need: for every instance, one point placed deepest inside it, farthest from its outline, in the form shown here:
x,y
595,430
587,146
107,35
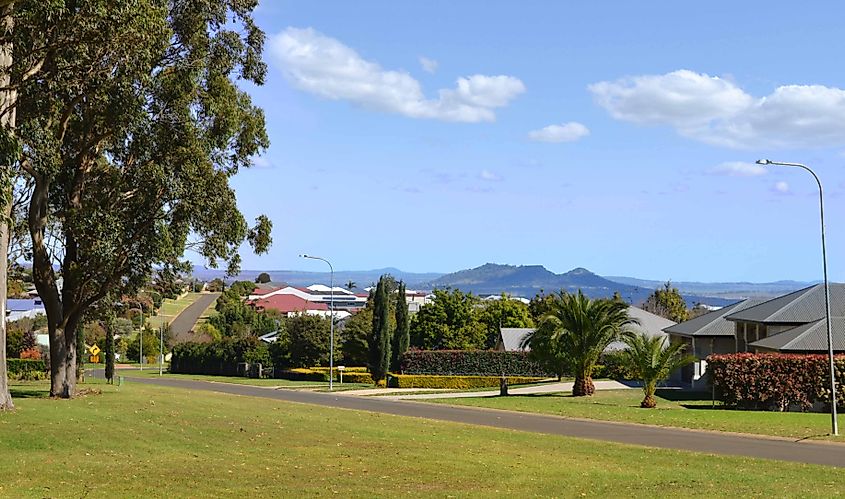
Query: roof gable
x,y
798,307
712,323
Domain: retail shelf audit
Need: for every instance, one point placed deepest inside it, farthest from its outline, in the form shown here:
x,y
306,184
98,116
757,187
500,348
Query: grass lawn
x,y
674,408
143,441
150,372
171,308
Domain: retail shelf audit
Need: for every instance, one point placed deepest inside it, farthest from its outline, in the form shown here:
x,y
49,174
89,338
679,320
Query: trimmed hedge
x,y
29,369
356,377
303,374
220,358
454,382
470,363
774,381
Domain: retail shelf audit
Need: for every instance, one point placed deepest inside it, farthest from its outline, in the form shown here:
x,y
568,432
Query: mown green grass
x,y
152,372
675,408
144,441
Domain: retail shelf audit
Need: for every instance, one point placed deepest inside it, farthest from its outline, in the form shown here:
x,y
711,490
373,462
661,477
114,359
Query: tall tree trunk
x,y
109,351
583,386
7,101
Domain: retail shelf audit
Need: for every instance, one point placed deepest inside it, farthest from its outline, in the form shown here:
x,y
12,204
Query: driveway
x,y
830,454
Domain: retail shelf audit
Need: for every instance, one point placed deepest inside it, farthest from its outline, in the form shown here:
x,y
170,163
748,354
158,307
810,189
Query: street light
x,y
331,320
834,424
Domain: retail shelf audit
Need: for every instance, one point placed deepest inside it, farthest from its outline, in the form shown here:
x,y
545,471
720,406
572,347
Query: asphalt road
x,y
184,322
804,451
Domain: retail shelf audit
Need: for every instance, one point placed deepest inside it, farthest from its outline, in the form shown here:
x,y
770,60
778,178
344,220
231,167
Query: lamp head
x,y
764,161
303,256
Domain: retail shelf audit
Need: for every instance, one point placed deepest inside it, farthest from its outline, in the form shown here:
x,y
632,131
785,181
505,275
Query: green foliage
x,y
402,335
454,382
471,362
152,345
540,306
219,358
26,369
263,278
504,312
449,322
614,365
775,381
576,332
355,336
235,318
651,361
19,337
308,337
208,329
302,374
667,302
216,285
382,332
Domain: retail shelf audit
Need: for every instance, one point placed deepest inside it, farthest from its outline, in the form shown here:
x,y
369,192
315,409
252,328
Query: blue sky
x,y
615,136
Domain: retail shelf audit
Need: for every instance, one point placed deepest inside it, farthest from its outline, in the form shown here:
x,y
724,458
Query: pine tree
x,y
402,335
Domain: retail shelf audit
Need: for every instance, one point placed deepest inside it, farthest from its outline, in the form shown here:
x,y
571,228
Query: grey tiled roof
x,y
712,323
810,337
799,307
512,338
650,325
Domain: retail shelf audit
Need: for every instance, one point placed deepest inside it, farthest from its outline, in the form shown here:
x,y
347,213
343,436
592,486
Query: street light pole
x,y
331,314
833,422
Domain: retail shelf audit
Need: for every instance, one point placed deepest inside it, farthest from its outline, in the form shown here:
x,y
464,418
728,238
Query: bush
x,y
26,369
454,382
356,377
774,381
470,363
218,358
613,365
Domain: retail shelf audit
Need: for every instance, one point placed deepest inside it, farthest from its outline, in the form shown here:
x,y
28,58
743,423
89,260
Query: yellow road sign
x,y
95,350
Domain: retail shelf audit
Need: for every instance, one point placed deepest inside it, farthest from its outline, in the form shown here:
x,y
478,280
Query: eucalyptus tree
x,y
129,142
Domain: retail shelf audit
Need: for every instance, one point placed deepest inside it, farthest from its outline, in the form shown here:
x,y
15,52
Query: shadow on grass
x,y
29,392
676,395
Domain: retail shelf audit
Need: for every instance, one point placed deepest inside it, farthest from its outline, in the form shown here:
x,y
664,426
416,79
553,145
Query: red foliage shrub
x,y
774,381
31,353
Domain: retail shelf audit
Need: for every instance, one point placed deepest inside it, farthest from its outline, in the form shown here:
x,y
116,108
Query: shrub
x,y
356,377
470,363
303,374
454,382
218,358
774,381
612,365
26,369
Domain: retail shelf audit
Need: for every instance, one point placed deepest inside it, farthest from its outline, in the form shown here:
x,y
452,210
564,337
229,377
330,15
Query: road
x,y
831,454
184,322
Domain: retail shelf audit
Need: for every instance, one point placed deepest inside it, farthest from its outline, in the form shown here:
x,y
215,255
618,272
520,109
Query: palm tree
x,y
350,285
652,361
576,330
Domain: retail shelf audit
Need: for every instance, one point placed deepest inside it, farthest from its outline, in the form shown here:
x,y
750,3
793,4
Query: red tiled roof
x,y
263,291
288,303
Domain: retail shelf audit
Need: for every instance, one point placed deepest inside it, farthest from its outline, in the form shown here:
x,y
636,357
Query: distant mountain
x,y
528,280
362,278
728,290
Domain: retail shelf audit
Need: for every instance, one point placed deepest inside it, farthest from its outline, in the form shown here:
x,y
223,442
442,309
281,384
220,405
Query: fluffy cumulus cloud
x,y
739,169
324,66
567,132
428,65
715,110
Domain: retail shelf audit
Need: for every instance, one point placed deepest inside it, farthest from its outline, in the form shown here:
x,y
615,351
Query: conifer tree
x,y
402,335
381,336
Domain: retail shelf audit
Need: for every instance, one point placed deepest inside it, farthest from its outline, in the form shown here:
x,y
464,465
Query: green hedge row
x,y
219,358
303,374
774,381
25,366
470,363
455,382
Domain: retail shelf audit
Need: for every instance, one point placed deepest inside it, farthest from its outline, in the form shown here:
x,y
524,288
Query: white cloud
x,y
489,176
323,66
428,65
716,111
567,132
781,188
261,162
739,169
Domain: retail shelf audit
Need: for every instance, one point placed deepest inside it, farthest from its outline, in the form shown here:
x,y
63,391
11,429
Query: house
x,y
17,309
793,323
510,339
290,305
316,294
710,333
